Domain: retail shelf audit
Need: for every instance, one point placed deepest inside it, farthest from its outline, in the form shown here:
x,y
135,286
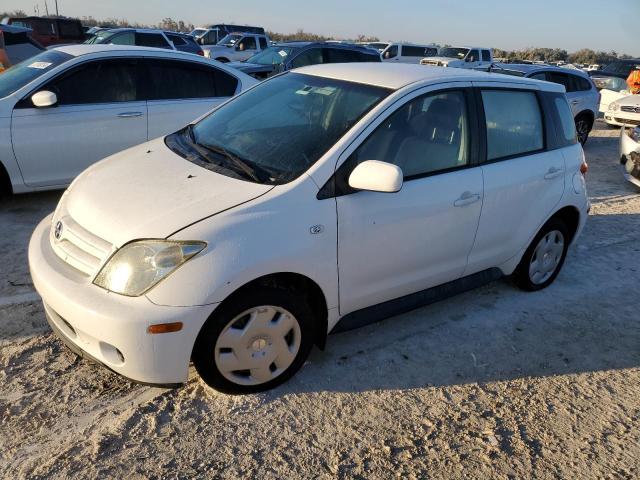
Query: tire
x,y
552,255
268,328
583,128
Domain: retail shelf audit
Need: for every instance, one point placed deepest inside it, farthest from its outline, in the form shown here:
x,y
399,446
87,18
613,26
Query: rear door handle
x,y
553,172
467,198
575,102
129,114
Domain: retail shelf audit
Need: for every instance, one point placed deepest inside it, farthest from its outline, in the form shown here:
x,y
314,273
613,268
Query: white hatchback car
x,y
67,108
364,190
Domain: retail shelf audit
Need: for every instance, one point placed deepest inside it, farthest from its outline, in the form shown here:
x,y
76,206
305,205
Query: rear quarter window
x,y
562,132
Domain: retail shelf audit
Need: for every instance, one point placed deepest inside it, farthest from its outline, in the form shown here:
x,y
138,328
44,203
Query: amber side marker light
x,y
165,327
584,168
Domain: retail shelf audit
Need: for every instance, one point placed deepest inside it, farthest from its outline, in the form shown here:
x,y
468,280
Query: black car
x,y
288,55
620,69
147,37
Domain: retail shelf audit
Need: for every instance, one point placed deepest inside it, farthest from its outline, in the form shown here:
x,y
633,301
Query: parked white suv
x,y
475,58
407,52
67,108
223,243
236,47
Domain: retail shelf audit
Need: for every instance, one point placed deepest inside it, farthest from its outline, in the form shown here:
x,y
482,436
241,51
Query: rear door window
x,y
486,56
174,79
125,38
115,79
411,51
562,79
313,56
340,55
263,43
157,40
513,123
177,40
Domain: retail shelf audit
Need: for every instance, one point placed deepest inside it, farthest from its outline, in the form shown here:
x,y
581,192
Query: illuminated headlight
x,y
613,106
140,265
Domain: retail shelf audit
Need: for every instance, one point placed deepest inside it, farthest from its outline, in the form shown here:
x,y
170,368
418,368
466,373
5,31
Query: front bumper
x,y
110,328
622,119
630,158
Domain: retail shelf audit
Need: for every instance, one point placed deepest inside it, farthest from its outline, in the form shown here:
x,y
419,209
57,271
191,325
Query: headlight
x,y
613,106
140,265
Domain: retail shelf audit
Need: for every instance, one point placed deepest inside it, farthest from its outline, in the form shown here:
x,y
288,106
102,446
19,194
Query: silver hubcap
x,y
258,345
546,257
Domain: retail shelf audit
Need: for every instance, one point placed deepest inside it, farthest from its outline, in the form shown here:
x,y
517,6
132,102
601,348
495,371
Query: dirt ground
x,y
494,383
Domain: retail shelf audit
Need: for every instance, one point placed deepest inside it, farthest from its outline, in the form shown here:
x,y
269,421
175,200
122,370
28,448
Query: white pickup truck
x,y
236,47
476,58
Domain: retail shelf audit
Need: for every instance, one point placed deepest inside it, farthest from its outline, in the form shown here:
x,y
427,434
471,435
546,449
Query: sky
x,y
507,24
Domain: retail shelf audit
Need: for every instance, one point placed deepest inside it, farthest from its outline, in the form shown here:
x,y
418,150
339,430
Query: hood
x,y
629,100
216,47
150,192
441,60
248,67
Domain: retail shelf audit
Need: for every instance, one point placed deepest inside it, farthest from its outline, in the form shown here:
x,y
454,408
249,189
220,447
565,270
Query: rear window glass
x,y
513,121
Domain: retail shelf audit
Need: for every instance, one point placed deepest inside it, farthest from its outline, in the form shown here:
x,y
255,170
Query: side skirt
x,y
378,312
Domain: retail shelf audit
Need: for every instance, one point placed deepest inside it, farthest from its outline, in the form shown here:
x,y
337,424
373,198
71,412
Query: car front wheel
x,y
544,258
254,342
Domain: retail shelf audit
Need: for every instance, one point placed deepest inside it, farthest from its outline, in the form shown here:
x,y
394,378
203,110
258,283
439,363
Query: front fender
x,y
271,234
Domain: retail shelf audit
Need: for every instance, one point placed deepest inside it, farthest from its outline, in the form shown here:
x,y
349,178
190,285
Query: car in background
x,y
16,45
630,154
146,37
322,199
212,34
55,122
474,58
407,52
609,77
287,55
50,31
237,47
582,94
624,112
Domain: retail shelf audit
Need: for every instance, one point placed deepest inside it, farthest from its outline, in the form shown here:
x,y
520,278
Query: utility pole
x,y
57,14
46,8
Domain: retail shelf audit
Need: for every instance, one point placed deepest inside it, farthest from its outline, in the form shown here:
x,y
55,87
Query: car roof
x,y
304,43
528,68
396,76
79,49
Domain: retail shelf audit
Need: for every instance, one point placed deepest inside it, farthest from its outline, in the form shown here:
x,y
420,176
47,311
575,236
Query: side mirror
x,y
44,99
376,176
200,40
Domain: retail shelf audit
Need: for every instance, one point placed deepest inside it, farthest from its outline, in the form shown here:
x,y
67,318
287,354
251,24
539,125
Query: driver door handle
x,y
467,198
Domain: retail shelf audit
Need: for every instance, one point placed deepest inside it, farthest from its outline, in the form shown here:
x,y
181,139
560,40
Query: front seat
x,y
435,141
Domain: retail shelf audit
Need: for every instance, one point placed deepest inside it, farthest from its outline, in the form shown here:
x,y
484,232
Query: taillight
x,y
584,168
201,53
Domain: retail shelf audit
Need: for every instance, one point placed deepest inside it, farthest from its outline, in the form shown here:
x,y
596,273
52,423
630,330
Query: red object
x,y
201,53
584,168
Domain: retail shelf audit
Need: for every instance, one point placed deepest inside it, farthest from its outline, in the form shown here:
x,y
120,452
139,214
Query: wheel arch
x,y
222,59
6,188
297,284
570,216
588,114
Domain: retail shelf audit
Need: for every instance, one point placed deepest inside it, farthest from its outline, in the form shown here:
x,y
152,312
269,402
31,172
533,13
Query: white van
x,y
407,52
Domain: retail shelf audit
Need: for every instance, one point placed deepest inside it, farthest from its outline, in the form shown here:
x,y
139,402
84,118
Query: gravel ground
x,y
492,383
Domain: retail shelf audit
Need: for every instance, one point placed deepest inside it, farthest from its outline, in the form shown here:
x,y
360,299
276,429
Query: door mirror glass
x,y
44,99
376,176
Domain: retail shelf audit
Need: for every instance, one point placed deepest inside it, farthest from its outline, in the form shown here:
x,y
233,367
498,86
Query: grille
x,y
630,109
78,247
627,121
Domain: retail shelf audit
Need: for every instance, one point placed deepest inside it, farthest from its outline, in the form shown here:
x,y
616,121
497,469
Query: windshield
x,y
24,72
274,132
230,39
459,53
621,68
271,56
198,32
100,37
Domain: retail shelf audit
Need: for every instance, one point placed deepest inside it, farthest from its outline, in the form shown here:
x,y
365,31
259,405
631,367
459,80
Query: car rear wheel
x,y
544,258
583,128
254,342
